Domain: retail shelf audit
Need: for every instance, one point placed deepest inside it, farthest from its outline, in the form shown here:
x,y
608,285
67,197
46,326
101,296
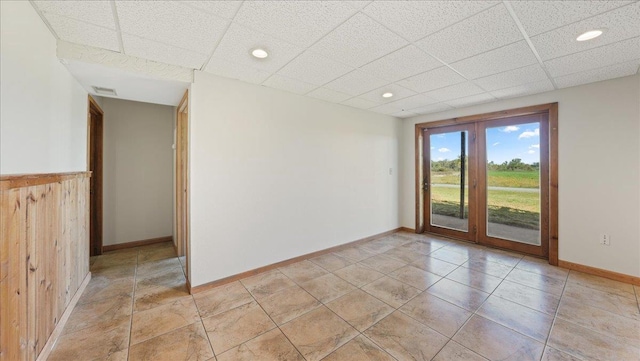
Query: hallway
x,y
400,297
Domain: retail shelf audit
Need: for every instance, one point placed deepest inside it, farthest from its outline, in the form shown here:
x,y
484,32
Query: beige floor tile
x,y
100,288
607,301
267,283
331,262
358,275
99,313
166,278
114,260
155,296
318,333
355,254
151,269
475,279
447,255
162,319
589,345
231,328
436,313
382,263
527,321
599,320
288,304
503,344
405,338
378,246
502,257
415,277
328,287
188,343
537,281
270,346
436,266
419,247
390,291
360,309
551,354
359,349
542,267
488,267
155,254
221,299
602,284
97,342
114,273
304,271
454,351
458,294
527,296
404,255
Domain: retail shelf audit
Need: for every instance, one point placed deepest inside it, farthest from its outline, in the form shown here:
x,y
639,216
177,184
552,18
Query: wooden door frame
x,y
551,109
95,228
182,180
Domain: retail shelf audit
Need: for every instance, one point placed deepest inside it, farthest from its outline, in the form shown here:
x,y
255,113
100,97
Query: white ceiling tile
x,y
290,85
79,32
455,91
329,95
358,41
590,76
508,57
402,63
355,83
511,78
433,79
595,58
413,102
152,50
221,8
360,103
522,90
471,100
237,71
94,12
313,68
487,30
398,93
619,24
540,16
172,23
432,108
298,22
404,114
388,109
416,19
238,41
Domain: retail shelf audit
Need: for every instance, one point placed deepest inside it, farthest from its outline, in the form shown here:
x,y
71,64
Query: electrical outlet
x,y
605,240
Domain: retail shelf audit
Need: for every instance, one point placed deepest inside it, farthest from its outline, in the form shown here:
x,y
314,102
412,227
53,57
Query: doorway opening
x,y
95,166
182,183
491,179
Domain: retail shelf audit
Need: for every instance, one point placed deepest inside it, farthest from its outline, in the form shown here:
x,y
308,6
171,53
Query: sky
x,y
503,144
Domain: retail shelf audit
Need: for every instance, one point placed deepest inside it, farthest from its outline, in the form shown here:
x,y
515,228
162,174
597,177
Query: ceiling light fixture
x,y
104,91
387,95
259,53
591,34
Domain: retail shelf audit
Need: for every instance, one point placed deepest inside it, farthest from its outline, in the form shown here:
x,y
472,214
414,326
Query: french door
x,y
488,181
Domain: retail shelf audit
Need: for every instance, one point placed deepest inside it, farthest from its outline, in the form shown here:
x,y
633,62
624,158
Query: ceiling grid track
x,y
526,37
116,20
44,20
215,47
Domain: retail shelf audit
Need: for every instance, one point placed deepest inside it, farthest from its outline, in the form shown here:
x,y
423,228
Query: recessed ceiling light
x,y
591,34
259,53
387,95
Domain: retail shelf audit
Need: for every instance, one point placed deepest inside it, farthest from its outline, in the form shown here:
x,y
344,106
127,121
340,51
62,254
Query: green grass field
x,y
513,179
517,209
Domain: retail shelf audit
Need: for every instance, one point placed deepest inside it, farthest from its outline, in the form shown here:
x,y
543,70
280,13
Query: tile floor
x,y
401,297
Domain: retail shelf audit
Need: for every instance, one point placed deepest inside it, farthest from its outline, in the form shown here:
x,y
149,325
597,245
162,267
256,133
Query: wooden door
x,y
95,150
182,181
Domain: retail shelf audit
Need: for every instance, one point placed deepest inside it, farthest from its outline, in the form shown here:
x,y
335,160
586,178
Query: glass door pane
x,y
449,180
513,183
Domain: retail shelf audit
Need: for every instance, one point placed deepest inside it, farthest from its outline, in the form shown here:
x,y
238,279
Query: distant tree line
x,y
515,164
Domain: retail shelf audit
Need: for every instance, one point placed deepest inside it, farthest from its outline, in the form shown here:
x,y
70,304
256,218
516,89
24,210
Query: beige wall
x,y
138,171
599,169
275,175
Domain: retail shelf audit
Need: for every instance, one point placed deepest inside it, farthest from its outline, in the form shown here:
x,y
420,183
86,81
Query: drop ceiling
x,y
432,55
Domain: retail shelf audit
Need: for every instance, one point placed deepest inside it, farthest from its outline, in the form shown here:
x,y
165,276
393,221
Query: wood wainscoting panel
x,y
44,256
